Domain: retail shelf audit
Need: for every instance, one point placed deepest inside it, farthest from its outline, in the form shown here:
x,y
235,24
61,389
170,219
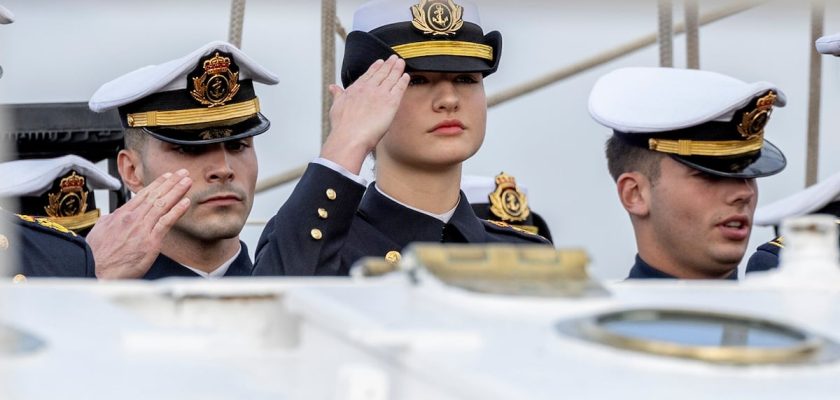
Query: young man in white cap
x,y
686,148
38,247
821,198
413,73
189,127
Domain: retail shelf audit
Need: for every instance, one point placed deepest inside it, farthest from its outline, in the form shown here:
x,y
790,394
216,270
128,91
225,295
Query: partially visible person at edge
x,y
822,198
414,97
686,148
189,127
38,247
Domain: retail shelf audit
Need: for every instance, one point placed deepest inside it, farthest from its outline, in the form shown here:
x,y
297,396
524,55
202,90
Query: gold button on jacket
x,y
316,234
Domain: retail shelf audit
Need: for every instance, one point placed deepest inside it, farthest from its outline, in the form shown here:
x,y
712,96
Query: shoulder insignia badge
x,y
507,202
500,224
522,230
437,17
218,84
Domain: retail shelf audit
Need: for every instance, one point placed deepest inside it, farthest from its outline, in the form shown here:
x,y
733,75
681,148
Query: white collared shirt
x,y
218,272
445,217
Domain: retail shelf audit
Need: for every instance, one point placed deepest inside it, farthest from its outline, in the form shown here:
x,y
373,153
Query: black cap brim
x,y
769,161
212,134
362,49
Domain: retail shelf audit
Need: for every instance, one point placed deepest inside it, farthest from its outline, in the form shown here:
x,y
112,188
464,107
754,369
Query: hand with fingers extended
x,y
362,113
126,242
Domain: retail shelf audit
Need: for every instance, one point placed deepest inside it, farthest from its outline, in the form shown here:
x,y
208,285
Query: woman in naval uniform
x,y
414,97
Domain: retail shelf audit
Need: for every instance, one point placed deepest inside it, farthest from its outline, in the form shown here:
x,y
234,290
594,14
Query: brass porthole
x,y
713,337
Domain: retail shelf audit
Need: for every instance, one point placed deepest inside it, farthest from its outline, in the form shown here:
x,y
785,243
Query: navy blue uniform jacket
x,y
766,257
45,249
358,223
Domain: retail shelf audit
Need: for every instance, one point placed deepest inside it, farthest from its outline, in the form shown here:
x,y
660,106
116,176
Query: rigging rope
x,y
610,55
328,25
692,35
814,95
666,33
237,18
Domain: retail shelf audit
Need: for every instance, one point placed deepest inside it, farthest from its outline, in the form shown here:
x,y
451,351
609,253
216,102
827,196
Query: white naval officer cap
x,y
204,97
829,44
35,176
818,198
706,120
6,16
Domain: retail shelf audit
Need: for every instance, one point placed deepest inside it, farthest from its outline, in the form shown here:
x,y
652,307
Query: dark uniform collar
x,y
242,265
404,225
643,270
165,267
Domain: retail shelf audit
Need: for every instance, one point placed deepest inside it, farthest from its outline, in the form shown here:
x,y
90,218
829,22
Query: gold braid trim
x,y
707,148
444,48
194,115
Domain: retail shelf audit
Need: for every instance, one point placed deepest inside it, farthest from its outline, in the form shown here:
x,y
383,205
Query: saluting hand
x,y
362,113
126,242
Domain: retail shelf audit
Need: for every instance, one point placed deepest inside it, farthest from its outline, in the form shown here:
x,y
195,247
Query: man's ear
x,y
634,193
130,165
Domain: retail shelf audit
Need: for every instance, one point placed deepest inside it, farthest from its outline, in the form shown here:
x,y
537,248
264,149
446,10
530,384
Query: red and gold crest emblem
x,y
753,122
507,202
218,84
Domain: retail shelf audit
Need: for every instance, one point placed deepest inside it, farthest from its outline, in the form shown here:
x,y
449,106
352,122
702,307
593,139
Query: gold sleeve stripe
x,y
444,48
707,148
194,115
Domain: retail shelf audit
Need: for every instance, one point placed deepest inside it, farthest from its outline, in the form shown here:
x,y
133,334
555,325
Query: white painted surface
x,y
341,339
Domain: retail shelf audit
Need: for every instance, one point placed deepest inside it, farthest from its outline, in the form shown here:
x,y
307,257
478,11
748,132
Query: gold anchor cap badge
x,y
437,17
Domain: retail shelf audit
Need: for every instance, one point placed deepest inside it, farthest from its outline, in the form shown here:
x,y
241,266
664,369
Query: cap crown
x,y
431,35
204,97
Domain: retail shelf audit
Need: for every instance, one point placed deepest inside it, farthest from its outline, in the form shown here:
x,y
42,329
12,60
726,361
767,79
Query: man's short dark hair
x,y
623,157
135,139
